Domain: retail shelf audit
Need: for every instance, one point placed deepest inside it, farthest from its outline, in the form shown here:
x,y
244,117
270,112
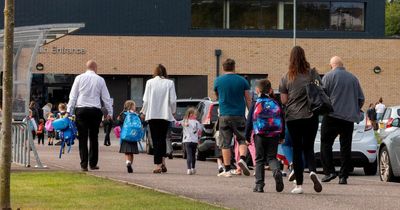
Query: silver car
x,y
389,154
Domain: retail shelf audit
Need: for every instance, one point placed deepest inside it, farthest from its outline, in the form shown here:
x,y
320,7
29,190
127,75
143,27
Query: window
x,y
313,16
137,91
347,16
277,15
207,14
253,14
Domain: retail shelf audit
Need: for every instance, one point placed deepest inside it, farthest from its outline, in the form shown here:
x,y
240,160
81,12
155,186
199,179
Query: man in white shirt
x,y
380,109
87,92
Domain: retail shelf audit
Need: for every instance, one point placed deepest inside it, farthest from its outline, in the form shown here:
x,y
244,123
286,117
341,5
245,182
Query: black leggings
x,y
190,154
158,130
303,132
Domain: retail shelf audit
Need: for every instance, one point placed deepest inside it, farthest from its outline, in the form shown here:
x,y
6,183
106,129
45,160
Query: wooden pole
x,y
5,134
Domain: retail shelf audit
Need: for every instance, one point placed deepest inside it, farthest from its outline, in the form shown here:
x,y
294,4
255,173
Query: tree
x,y
5,134
392,18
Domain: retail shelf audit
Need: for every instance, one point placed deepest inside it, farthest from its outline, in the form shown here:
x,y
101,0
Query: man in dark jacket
x,y
347,98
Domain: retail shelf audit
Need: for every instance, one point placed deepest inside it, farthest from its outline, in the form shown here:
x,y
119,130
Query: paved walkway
x,y
362,192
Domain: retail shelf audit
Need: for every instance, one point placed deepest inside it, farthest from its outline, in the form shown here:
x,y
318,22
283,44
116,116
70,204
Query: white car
x,y
390,114
363,149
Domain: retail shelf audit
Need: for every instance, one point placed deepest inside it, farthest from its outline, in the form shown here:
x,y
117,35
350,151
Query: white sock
x,y
128,162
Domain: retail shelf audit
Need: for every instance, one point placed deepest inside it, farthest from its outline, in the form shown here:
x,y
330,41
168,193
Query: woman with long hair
x,y
159,105
301,122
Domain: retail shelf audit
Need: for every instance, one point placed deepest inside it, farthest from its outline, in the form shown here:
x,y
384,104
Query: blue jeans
x,y
190,154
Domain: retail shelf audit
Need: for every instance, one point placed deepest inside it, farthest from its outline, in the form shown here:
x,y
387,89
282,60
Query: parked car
x,y
390,114
363,149
208,116
174,136
389,154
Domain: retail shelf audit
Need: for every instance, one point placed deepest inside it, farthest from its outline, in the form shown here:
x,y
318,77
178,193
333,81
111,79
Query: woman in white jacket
x,y
159,106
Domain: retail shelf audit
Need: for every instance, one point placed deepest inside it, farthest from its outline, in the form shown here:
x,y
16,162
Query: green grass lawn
x,y
63,190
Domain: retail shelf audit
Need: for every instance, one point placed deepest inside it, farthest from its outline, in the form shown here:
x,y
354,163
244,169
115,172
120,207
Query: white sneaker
x,y
316,181
297,190
189,172
193,170
243,166
225,174
234,172
291,176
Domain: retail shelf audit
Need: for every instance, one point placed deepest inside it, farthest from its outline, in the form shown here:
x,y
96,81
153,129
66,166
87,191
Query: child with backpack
x,y
40,132
191,133
131,132
266,120
50,129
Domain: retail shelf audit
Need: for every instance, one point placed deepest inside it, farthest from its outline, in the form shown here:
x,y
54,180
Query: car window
x,y
398,112
214,113
387,114
181,108
200,109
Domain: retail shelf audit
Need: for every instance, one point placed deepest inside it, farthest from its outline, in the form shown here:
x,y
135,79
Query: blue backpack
x,y
132,128
267,118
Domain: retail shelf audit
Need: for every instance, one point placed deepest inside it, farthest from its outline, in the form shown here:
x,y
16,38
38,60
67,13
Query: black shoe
x,y
343,180
220,170
278,181
259,188
163,168
170,156
84,169
130,169
94,168
328,178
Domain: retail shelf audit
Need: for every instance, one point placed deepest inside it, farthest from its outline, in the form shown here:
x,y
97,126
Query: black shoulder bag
x,y
318,101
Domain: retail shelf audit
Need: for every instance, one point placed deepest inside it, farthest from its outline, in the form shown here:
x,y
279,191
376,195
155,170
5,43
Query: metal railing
x,y
23,145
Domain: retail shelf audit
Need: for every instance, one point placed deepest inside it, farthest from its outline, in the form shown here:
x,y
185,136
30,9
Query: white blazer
x,y
159,99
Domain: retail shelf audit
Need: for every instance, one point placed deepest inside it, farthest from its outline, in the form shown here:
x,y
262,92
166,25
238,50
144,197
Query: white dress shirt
x,y
159,99
87,91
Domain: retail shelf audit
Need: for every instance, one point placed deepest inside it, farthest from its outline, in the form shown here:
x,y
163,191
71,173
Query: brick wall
x,y
195,56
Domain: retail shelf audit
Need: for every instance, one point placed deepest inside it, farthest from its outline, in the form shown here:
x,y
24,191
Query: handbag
x,y
318,101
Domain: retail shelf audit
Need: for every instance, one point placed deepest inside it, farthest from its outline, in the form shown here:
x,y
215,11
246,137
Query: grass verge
x,y
64,190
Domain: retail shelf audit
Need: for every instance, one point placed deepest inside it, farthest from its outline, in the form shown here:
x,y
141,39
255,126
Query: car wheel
x,y
201,156
371,168
385,168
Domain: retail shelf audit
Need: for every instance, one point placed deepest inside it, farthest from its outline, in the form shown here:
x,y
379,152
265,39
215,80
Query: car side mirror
x,y
396,122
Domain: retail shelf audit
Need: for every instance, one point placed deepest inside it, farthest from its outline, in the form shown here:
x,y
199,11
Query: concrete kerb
x,y
142,186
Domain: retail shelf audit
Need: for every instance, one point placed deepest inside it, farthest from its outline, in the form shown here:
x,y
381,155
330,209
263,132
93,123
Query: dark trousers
x,y
330,129
107,130
303,132
266,149
40,138
190,154
158,129
88,122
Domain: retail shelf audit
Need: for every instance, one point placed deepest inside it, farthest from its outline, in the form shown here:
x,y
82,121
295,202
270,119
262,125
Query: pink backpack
x,y
117,132
49,125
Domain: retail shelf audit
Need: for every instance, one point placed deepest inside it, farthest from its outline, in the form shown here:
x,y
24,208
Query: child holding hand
x,y
191,133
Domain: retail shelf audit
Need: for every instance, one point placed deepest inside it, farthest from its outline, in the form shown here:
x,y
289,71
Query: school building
x,y
193,37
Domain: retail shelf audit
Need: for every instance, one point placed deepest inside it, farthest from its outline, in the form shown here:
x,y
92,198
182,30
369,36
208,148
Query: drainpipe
x,y
218,53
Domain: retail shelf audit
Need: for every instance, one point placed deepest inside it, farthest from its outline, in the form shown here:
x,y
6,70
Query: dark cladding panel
x,y
174,18
191,86
118,88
